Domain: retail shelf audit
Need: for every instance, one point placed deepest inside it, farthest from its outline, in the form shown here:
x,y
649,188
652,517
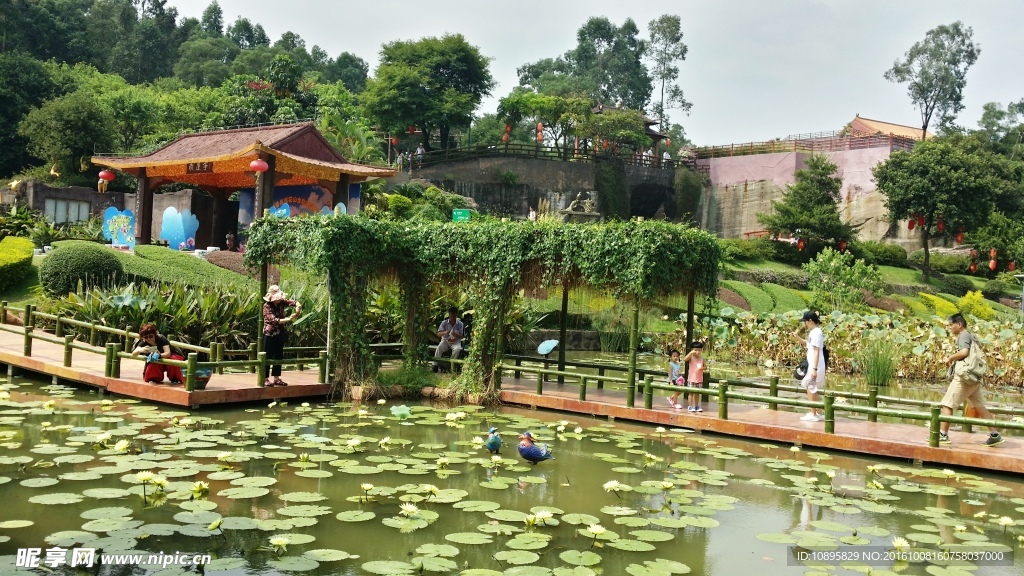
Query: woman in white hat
x,y
274,321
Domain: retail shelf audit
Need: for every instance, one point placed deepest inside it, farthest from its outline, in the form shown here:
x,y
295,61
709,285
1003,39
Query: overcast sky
x,y
756,69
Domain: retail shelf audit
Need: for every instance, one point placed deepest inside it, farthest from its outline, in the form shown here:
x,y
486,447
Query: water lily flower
x,y
215,524
305,404
1005,521
272,404
159,481
666,485
652,458
543,515
49,405
495,458
303,457
122,445
103,437
383,442
442,462
794,448
366,487
46,424
578,430
530,520
560,429
660,430
223,455
830,473
477,440
949,473
900,544
280,543
980,514
354,442
4,395
596,529
200,488
612,486
959,528
381,402
362,413
185,421
408,509
144,476
106,402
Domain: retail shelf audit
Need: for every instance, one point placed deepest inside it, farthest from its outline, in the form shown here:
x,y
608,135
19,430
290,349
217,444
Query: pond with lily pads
x,y
389,489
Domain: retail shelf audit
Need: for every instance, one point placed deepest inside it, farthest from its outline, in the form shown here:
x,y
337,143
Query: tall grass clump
x,y
879,360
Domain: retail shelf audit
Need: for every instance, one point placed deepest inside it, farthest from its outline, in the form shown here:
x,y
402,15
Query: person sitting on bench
x,y
450,332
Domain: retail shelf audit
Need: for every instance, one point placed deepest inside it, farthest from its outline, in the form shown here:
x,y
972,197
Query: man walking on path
x,y
960,389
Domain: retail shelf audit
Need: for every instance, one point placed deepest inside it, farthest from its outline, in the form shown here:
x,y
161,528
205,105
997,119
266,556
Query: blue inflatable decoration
x,y
119,227
179,229
546,347
282,211
532,452
493,441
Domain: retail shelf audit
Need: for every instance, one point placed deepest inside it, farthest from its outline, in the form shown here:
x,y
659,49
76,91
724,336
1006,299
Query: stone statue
x,y
577,204
580,210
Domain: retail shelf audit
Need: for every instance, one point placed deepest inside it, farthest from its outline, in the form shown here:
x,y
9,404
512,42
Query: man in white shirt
x,y
450,332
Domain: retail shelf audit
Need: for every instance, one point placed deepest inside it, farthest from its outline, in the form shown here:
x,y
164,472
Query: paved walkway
x,y
87,368
755,422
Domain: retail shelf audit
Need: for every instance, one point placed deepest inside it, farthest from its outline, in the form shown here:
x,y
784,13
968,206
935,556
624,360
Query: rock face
x,y
744,186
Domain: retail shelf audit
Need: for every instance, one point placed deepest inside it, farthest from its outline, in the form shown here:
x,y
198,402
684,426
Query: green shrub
x,y
15,261
945,263
184,267
915,305
794,280
759,300
938,305
840,282
745,250
785,299
994,289
879,361
399,205
958,285
78,261
412,380
973,304
881,254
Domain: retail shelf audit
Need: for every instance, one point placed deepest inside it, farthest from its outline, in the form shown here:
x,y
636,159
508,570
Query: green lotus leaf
x,y
580,558
577,519
519,543
527,571
201,517
670,522
328,555
68,538
443,550
73,459
243,492
226,475
302,497
516,557
495,485
630,545
476,505
469,538
700,521
619,511
160,529
254,482
295,539
355,516
111,524
294,564
114,544
314,474
405,524
56,498
221,564
304,510
39,482
106,493
507,515
433,564
632,521
498,528
924,538
831,526
652,535
873,531
389,568
480,572
8,524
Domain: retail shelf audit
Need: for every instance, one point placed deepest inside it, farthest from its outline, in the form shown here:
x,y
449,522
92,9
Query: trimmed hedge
x,y
759,300
945,263
939,306
186,268
995,289
15,261
72,262
785,299
958,285
882,254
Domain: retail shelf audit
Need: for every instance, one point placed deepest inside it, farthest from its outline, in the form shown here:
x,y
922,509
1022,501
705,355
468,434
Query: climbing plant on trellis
x,y
493,260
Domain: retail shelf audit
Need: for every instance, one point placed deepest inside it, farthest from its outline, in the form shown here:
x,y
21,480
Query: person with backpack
x,y
811,372
967,369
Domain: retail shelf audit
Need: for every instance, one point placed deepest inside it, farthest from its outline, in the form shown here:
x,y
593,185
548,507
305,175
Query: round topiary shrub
x,y
958,285
71,262
994,289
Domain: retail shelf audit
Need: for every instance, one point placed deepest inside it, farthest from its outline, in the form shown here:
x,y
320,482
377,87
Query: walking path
x,y
758,423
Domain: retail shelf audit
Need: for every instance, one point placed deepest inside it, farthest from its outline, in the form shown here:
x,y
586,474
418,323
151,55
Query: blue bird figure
x,y
493,441
532,452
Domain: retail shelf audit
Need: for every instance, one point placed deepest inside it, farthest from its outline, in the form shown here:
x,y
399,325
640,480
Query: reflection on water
x,y
730,506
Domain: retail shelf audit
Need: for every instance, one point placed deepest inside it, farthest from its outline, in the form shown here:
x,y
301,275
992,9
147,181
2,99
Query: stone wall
x,y
34,195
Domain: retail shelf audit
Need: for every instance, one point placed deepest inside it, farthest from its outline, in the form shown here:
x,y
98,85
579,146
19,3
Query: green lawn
x,y
762,265
24,292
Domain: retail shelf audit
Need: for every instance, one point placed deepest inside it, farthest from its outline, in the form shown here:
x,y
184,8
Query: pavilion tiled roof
x,y
869,126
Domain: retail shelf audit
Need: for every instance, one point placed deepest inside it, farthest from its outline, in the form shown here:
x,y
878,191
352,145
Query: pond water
x,y
294,474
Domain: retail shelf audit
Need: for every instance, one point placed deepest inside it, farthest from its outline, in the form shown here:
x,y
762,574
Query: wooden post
x,y
252,356
27,351
600,381
93,334
540,383
830,414
26,319
583,389
190,374
633,343
108,362
67,350
261,368
873,402
220,356
773,391
115,361
723,400
933,430
562,325
143,209
127,336
648,393
323,368
58,330
630,394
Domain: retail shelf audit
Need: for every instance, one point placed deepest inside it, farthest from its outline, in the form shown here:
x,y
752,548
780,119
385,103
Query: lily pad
x,y
295,539
389,568
221,564
652,535
243,492
434,564
328,555
106,493
57,498
577,519
294,564
469,538
39,482
516,557
9,524
580,557
443,550
630,545
304,510
476,505
355,516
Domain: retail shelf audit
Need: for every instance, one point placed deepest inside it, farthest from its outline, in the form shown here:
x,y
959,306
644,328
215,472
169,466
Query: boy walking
x,y
961,389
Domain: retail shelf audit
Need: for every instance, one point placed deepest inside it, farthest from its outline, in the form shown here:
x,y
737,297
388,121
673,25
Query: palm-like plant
x,y
353,140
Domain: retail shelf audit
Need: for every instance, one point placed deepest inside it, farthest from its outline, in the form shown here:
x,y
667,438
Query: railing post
x,y
517,374
830,415
648,393
27,319
540,383
873,402
115,366
3,312
92,334
547,366
630,394
190,375
27,351
58,329
108,361
253,357
323,367
219,357
583,389
773,391
67,350
261,368
600,381
723,400
933,429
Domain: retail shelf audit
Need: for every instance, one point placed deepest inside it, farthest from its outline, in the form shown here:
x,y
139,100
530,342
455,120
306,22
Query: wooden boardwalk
x,y
758,423
87,368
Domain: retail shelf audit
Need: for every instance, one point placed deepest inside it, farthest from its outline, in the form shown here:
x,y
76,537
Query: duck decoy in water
x,y
493,441
531,451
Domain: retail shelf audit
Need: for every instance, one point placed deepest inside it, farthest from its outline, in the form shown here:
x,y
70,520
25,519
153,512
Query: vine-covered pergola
x,y
493,260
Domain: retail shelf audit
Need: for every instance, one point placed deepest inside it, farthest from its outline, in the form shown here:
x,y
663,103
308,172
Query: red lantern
x,y
941,226
991,264
259,165
800,244
911,223
1012,266
504,137
974,267
106,175
668,141
959,237
412,129
394,141
508,128
842,245
920,220
974,254
993,253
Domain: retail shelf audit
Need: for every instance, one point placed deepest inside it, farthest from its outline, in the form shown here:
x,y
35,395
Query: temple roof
x,y
221,157
869,126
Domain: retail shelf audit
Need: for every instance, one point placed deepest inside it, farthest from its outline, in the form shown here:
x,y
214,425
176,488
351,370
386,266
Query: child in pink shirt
x,y
695,375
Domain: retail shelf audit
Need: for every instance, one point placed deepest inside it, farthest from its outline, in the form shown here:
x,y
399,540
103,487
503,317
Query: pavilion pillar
x,y
143,210
265,189
341,192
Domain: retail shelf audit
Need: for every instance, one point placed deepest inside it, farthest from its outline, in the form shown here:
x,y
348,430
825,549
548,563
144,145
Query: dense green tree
x,y
619,128
247,35
938,180
809,207
253,61
24,84
432,83
107,22
666,50
46,29
560,115
487,130
935,71
212,22
135,112
349,69
65,129
206,61
607,64
1003,129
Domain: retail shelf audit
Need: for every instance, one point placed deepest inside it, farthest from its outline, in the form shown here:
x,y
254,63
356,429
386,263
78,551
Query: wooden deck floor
x,y
754,422
87,368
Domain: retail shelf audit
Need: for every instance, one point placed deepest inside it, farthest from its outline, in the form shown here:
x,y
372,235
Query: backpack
x,y
824,353
973,368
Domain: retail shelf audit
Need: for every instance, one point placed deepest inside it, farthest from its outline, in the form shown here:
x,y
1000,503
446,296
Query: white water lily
x,y
103,437
384,441
366,487
303,457
442,462
353,442
612,486
305,404
477,440
272,404
794,449
666,485
959,528
1005,521
122,445
660,430
106,402
381,402
430,488
408,509
49,405
578,430
948,473
543,515
46,424
144,477
185,421
652,458
4,394
596,529
830,473
215,524
280,541
159,481
362,413
530,520
495,458
560,429
900,544
223,455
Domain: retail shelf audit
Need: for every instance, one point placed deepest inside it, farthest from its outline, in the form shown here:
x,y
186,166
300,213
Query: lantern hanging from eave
x,y
106,175
991,264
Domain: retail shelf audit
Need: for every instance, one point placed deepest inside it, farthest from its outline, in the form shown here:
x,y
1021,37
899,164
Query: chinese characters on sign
x,y
199,168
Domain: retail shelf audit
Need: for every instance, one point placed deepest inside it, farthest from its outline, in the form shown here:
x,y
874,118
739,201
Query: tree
x,y
607,64
809,207
206,61
935,71
560,115
135,112
213,20
667,48
937,181
247,35
65,129
432,83
618,127
839,282
24,83
349,69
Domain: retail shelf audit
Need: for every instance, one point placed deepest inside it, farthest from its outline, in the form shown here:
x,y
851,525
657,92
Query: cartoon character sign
x,y
288,201
179,229
119,227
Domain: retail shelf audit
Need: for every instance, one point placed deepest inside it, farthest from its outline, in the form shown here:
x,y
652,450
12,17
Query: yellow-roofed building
x,y
867,126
